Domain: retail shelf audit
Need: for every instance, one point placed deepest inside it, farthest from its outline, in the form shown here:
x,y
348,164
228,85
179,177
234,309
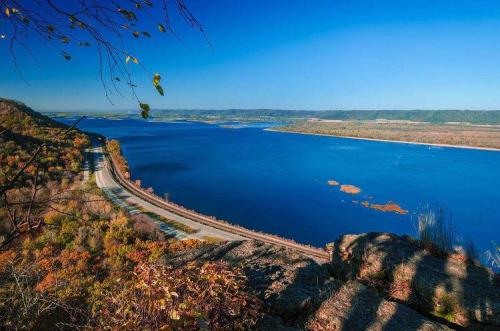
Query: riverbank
x,y
386,140
219,228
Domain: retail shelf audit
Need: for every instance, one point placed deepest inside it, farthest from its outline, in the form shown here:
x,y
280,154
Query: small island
x,y
388,207
351,189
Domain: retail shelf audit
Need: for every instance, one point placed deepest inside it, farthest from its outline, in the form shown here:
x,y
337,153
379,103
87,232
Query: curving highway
x,y
112,181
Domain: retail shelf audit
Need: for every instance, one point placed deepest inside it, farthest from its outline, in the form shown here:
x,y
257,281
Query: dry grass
x,y
447,306
493,256
436,232
212,240
449,134
174,224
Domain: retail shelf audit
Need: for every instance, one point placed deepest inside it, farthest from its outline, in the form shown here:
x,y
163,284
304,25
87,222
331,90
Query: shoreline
x,y
491,149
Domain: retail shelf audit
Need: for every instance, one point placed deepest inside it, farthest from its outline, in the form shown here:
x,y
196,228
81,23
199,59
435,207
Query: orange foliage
x,y
6,258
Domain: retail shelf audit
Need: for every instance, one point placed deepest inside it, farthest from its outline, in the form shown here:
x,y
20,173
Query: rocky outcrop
x,y
301,294
354,306
447,287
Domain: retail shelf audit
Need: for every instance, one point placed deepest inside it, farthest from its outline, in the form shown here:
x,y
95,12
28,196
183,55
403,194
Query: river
x,y
278,182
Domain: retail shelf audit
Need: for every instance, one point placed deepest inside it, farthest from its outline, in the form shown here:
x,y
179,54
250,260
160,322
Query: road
x,y
129,201
126,194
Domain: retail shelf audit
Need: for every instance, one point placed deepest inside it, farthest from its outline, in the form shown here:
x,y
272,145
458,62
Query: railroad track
x,y
314,252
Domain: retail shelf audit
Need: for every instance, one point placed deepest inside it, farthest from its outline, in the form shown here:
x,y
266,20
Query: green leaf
x,y
145,109
127,58
134,59
64,39
161,28
66,56
117,79
160,89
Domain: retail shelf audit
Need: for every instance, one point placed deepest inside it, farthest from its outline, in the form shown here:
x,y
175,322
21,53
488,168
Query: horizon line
x,y
264,109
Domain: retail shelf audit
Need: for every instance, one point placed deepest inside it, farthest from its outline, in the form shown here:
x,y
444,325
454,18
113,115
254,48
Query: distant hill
x,y
431,116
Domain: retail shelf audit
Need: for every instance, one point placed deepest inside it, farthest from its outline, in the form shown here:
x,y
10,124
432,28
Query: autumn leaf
x,y
146,34
136,34
161,28
7,11
175,315
134,59
156,84
156,79
127,59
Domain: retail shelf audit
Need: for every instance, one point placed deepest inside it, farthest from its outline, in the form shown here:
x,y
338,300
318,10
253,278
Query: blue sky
x,y
349,54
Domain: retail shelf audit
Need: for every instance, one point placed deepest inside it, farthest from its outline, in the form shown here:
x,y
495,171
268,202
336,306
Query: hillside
x,y
71,259
24,130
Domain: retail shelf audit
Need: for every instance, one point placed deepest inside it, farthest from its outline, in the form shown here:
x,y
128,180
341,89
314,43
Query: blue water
x,y
276,182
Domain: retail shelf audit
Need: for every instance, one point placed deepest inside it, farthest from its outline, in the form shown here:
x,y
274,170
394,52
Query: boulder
x,y
299,293
354,306
446,286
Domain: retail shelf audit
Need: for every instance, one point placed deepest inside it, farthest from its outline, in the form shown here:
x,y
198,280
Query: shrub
x,y
206,296
447,306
